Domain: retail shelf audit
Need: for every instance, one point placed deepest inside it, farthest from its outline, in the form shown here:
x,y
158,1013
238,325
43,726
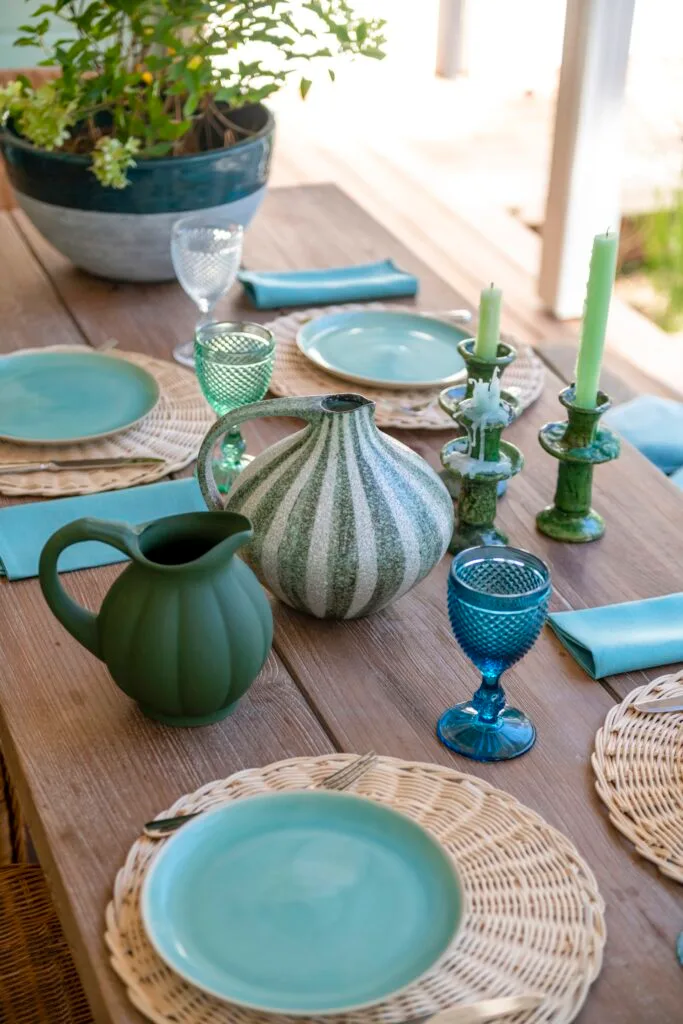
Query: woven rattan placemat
x,y
412,410
173,431
638,763
534,922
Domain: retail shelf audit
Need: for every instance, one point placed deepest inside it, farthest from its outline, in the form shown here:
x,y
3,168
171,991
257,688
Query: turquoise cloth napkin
x,y
24,529
270,289
654,426
623,637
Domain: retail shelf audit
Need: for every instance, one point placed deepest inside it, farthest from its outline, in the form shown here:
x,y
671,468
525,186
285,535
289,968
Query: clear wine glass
x,y
206,254
234,363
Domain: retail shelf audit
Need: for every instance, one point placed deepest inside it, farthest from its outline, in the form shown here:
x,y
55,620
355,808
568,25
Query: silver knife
x,y
57,465
663,704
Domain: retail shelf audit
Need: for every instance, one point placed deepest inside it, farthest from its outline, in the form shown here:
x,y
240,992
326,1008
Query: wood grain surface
x,y
90,769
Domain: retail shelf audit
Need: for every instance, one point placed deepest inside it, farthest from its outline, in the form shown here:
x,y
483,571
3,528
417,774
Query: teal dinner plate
x,y
302,902
71,397
386,349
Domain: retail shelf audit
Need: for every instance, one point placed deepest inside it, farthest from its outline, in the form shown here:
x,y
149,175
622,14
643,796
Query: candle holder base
x,y
572,528
477,482
468,536
579,445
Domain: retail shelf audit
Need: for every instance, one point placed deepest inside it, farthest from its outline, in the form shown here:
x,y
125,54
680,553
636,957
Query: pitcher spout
x,y
194,539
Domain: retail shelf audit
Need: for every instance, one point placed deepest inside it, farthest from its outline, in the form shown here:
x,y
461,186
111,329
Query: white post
x,y
450,38
583,193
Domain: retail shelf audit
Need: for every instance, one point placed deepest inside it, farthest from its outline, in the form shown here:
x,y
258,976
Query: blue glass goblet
x,y
497,603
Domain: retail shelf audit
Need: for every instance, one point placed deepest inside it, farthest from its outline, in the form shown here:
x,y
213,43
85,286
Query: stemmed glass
x,y
497,603
234,363
206,254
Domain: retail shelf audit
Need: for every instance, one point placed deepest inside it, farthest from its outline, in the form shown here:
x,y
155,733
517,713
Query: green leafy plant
x,y
662,239
153,78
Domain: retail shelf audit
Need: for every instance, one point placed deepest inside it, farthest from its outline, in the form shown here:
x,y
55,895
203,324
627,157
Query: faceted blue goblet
x,y
497,603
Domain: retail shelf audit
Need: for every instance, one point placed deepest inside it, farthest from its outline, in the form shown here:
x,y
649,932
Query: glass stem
x,y
232,449
205,316
489,700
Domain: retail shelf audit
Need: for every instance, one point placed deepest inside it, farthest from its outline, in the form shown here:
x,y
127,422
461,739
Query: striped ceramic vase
x,y
346,519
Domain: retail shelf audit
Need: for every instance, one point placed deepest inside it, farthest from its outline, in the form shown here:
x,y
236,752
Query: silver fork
x,y
344,777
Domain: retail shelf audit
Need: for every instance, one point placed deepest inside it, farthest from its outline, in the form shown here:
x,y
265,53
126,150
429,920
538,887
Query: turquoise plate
x,y
386,349
302,903
71,397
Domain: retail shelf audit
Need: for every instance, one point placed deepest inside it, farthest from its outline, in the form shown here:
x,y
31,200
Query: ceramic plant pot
x,y
125,234
186,628
346,519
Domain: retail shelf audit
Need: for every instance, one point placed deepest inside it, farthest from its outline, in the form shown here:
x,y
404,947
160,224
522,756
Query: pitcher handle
x,y
80,622
308,408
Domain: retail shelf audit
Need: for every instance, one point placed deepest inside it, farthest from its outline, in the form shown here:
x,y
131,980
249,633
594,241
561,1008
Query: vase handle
x,y
309,408
80,622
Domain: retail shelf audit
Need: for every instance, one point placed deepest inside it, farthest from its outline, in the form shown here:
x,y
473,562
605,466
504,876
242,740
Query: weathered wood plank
x,y
31,312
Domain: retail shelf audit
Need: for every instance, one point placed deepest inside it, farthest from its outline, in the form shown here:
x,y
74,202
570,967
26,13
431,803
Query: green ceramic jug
x,y
186,627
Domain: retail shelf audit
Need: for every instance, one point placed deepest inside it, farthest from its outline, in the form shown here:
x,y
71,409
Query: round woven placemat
x,y
638,764
534,920
173,431
412,410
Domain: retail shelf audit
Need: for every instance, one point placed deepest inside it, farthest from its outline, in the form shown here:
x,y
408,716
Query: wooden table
x,y
90,768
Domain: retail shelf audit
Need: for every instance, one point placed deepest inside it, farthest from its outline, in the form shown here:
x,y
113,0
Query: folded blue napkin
x,y
24,529
270,289
654,426
623,637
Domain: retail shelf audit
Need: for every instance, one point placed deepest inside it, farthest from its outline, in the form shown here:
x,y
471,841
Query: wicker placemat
x,y
534,920
173,431
638,763
412,410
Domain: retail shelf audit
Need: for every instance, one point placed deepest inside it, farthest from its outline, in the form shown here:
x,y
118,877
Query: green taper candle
x,y
488,331
596,309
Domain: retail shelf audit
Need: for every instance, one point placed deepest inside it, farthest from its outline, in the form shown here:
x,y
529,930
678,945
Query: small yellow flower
x,y
171,51
147,77
193,63
148,30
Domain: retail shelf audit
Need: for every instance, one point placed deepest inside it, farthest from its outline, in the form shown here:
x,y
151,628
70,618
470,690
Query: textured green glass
x,y
234,364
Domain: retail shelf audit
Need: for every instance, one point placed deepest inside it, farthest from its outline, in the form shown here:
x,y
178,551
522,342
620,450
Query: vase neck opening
x,y
345,403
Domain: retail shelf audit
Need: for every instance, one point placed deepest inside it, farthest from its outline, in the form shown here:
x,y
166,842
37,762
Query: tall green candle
x,y
488,331
596,309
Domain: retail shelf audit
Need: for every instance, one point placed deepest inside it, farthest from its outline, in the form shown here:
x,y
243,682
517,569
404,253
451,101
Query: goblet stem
x,y
232,450
489,700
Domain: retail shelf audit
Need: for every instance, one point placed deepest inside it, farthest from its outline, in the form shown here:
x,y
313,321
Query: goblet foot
x,y
571,527
184,354
462,729
225,473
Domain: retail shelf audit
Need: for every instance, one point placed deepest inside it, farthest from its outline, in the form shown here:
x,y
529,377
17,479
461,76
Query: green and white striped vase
x,y
346,519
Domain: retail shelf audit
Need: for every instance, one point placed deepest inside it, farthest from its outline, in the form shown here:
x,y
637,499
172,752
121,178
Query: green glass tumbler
x,y
234,364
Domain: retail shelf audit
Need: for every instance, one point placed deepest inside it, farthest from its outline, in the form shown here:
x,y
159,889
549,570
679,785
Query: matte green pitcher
x,y
186,627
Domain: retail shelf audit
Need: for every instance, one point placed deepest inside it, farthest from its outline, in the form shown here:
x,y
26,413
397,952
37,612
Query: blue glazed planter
x,y
125,234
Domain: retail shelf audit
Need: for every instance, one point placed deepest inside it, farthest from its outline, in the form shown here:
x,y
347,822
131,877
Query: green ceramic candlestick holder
x,y
579,444
474,466
478,369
